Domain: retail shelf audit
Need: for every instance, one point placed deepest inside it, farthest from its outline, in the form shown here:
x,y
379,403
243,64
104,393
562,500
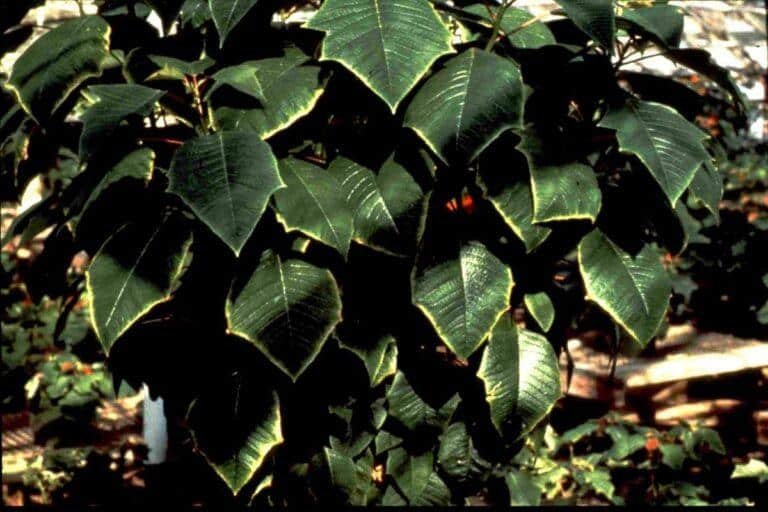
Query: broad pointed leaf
x,y
290,89
113,104
540,306
241,77
634,291
228,13
707,187
661,23
132,272
386,205
665,142
227,179
388,44
287,309
406,406
313,204
595,17
57,63
518,27
236,429
511,196
521,377
467,104
462,293
562,189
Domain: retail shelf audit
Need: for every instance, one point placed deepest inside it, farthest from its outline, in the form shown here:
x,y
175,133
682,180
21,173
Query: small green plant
x,y
66,390
311,239
612,461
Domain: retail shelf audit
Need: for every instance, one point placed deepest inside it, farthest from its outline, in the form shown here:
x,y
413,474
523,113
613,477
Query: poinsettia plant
x,y
345,240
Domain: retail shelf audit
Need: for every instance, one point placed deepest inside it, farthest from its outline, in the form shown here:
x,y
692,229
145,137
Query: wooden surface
x,y
700,356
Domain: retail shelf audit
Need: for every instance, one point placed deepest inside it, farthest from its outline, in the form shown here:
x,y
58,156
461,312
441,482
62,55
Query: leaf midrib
x,y
124,285
463,102
231,203
320,207
636,287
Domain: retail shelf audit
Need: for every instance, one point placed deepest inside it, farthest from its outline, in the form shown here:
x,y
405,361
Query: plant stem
x,y
497,24
172,142
644,57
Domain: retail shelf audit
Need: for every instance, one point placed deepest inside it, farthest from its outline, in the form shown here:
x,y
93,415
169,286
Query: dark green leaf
x,y
241,77
634,291
388,44
227,179
467,104
665,142
595,17
58,62
131,273
313,204
289,89
287,309
462,294
562,189
236,431
521,378
228,13
662,23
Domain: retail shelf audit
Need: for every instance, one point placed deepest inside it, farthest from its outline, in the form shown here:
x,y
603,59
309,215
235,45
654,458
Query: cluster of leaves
x,y
374,191
66,391
34,333
611,461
